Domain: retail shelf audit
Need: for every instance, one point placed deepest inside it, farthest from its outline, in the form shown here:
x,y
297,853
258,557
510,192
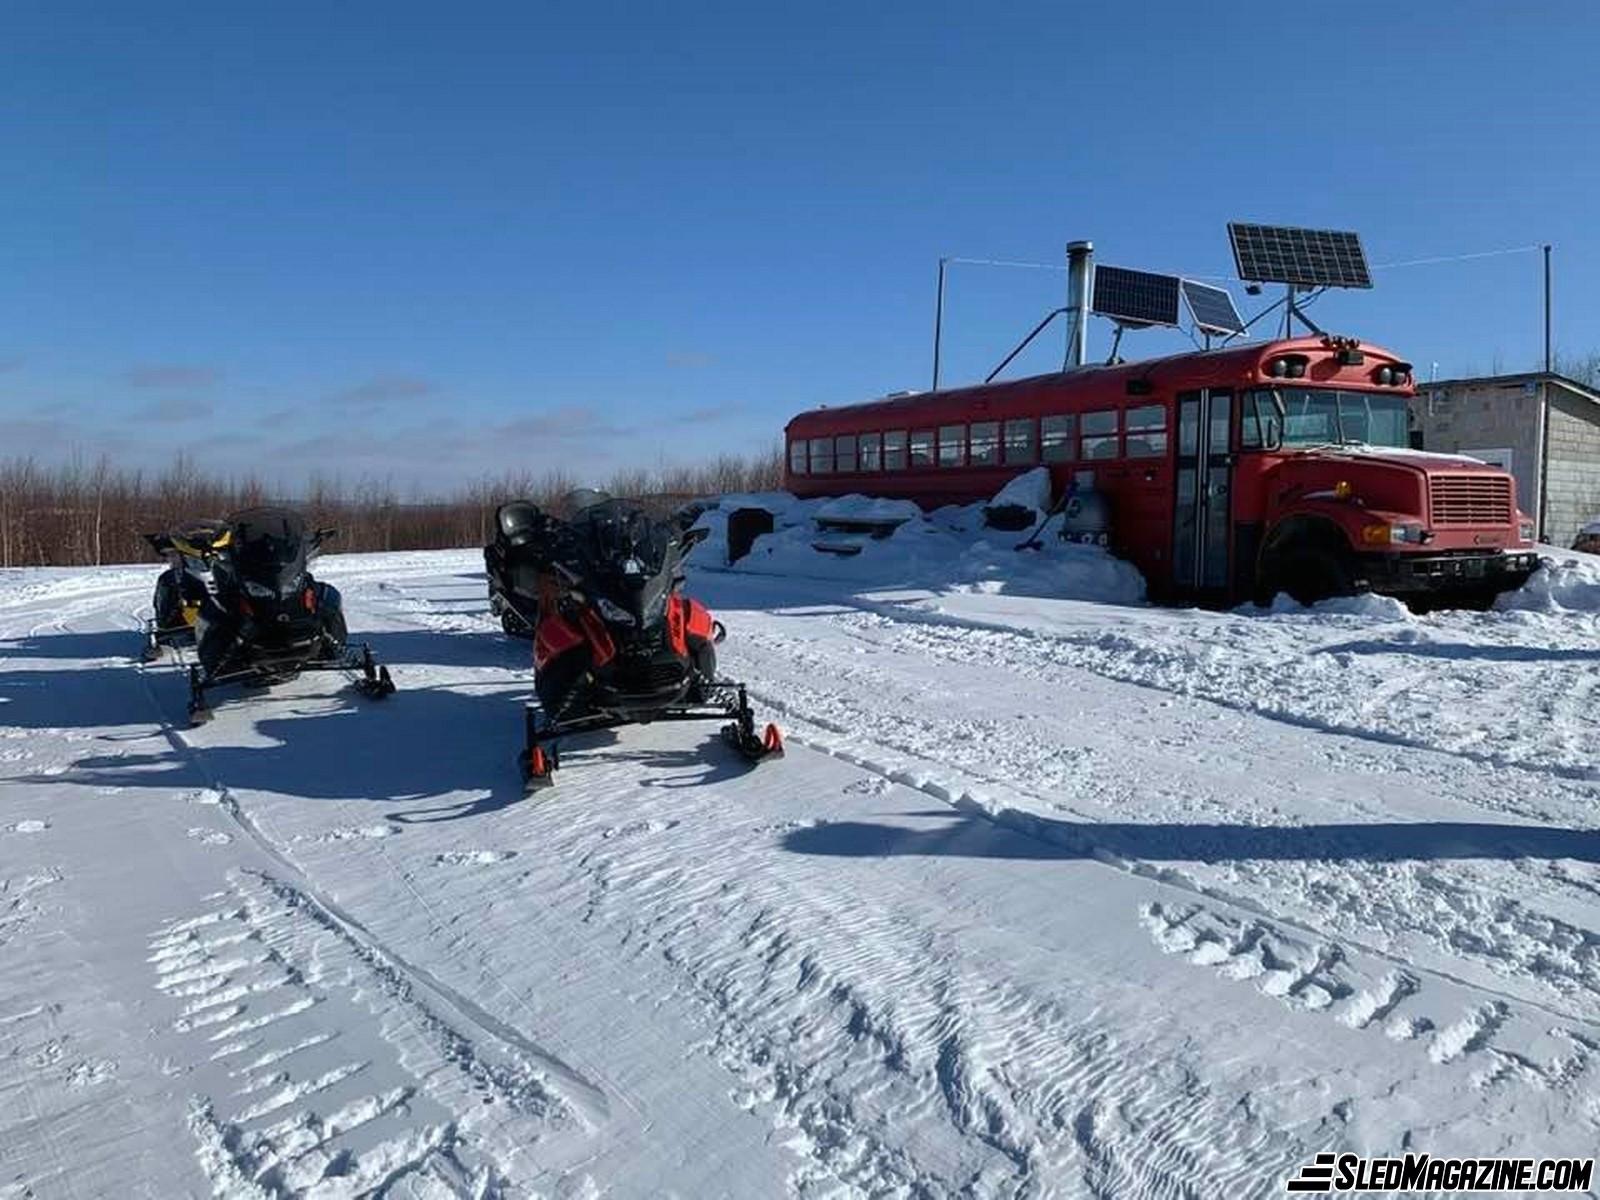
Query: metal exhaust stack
x,y
1080,270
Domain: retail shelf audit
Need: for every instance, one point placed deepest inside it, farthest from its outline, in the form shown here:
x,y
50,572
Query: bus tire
x,y
1309,574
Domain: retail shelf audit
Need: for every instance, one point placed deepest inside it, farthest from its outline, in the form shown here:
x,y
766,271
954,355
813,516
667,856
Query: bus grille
x,y
1471,500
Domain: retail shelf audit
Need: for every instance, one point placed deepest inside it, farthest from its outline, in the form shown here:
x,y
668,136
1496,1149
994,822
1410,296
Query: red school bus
x,y
1230,474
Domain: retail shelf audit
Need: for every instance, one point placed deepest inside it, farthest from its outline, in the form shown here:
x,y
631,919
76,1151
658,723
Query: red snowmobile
x,y
615,642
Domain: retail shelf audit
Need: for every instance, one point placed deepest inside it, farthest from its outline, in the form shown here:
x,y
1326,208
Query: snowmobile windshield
x,y
628,557
269,548
580,499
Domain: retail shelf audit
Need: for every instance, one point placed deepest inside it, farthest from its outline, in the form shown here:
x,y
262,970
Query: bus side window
x,y
871,452
822,456
1100,434
844,452
984,450
1147,431
1056,438
922,447
894,450
952,445
1021,444
797,456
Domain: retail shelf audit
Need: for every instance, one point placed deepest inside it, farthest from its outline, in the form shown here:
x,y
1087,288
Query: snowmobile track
x,y
588,1100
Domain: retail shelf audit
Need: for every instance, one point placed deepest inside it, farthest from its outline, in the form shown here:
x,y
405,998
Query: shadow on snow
x,y
1025,836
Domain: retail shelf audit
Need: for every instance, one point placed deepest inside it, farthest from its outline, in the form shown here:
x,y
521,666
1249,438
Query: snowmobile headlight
x,y
613,612
259,590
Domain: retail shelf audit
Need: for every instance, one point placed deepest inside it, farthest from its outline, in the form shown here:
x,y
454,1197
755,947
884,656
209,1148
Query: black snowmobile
x,y
615,642
261,618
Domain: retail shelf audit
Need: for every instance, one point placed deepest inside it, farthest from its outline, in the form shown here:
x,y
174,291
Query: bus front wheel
x,y
1308,574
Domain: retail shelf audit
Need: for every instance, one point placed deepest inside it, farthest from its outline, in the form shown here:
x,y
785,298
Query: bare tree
x,y
1585,368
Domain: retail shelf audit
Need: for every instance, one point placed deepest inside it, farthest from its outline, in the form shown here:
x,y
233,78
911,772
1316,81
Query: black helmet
x,y
518,521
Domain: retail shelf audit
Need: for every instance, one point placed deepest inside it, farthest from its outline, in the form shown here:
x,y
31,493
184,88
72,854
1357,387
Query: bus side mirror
x,y
1274,433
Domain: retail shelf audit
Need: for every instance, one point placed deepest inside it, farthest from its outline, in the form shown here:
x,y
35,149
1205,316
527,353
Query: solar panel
x,y
1212,308
1303,257
1135,297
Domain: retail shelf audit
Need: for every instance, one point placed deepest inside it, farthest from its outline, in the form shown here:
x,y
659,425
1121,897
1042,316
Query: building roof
x,y
1566,381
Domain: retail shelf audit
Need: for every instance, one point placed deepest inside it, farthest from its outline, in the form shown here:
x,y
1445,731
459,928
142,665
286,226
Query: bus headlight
x,y
1384,534
1525,531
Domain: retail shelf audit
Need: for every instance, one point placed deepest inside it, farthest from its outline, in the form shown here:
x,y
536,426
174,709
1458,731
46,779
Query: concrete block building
x,y
1542,427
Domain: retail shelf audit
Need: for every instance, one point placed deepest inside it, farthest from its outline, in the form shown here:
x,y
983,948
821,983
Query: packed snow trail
x,y
1047,898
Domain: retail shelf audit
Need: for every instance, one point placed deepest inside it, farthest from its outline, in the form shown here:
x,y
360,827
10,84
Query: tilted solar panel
x,y
1135,297
1302,257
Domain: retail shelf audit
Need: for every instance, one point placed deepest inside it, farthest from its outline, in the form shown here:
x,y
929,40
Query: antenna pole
x,y
938,323
1548,357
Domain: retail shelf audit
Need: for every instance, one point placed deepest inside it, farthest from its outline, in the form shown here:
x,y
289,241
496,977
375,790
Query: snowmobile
x,y
615,641
260,618
182,588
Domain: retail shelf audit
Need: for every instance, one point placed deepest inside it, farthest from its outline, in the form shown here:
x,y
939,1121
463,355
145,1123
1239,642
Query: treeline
x,y
85,514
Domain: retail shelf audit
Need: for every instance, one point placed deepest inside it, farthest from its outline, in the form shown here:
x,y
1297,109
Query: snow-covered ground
x,y
1049,897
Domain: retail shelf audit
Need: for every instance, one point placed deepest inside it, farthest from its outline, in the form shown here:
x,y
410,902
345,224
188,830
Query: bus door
x,y
1200,546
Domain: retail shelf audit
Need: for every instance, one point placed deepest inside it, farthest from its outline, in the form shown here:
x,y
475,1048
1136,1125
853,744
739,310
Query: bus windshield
x,y
1321,417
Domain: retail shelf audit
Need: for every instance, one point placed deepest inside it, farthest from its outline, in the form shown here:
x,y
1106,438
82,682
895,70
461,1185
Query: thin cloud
x,y
569,423
175,409
385,389
271,420
689,360
710,412
170,375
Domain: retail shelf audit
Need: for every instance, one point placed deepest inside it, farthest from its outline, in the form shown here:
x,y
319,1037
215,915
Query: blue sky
x,y
427,242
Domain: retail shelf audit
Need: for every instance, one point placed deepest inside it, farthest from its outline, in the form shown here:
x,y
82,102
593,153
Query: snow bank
x,y
1031,489
949,549
1567,582
866,508
1363,604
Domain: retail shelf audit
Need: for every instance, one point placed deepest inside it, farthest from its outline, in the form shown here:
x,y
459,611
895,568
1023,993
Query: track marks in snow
x,y
846,1024
351,833
872,715
1365,685
1319,978
339,1077
20,901
1302,975
473,858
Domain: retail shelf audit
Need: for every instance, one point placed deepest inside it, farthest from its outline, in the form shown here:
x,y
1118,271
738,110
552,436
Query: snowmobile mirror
x,y
323,535
159,542
694,537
